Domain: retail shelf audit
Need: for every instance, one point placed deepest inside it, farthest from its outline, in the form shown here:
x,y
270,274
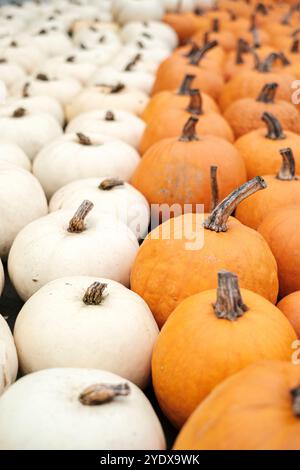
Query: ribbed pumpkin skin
x,y
166,271
249,411
195,350
290,306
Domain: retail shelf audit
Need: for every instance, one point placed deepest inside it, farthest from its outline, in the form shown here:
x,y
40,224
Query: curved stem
x,y
110,183
217,221
295,395
229,304
287,170
275,131
266,65
19,112
195,104
189,131
194,48
283,58
214,187
76,224
99,394
268,92
201,53
109,116
132,63
83,139
94,294
185,86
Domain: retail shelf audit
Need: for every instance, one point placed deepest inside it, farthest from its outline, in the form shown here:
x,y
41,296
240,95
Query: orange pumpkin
x,y
225,38
260,149
214,58
254,35
244,115
256,409
208,338
279,229
290,306
180,168
169,123
282,190
186,24
242,59
182,257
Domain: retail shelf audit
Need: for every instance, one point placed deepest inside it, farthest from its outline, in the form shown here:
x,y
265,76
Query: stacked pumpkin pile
x,y
115,121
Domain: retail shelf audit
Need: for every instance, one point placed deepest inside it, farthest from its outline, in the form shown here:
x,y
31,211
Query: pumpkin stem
x,y
255,33
232,15
196,58
98,394
268,92
132,63
3,61
295,394
217,221
215,25
214,187
185,86
42,76
286,18
76,224
229,304
194,48
83,139
70,59
295,46
19,112
110,183
261,8
283,58
109,116
242,47
195,104
25,91
94,293
266,65
189,131
275,131
287,170
205,38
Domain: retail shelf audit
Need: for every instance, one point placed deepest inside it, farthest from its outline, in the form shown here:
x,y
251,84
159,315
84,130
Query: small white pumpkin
x,y
40,104
110,196
68,67
77,156
11,74
8,357
12,153
117,124
31,131
179,6
97,410
87,322
26,56
51,43
150,59
149,29
103,96
107,41
125,11
65,244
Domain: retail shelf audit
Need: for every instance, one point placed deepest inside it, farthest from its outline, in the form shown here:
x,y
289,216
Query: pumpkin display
x,y
142,29
12,153
180,168
9,359
97,409
125,11
289,305
268,416
202,324
194,253
260,149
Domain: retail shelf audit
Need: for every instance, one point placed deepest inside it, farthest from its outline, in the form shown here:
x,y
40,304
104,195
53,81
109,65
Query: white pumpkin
x,y
150,29
125,11
22,200
87,322
12,153
106,40
11,74
52,43
117,124
26,56
8,357
102,96
40,104
96,410
110,196
65,244
31,131
179,6
102,22
150,59
77,156
68,67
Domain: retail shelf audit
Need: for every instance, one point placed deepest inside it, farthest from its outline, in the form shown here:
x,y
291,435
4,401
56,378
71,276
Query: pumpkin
x,y
179,6
190,255
97,409
225,38
30,130
12,153
243,58
11,74
186,24
278,229
68,66
9,359
40,104
51,42
138,29
252,109
149,58
268,413
289,305
26,56
77,156
87,312
125,11
282,190
103,43
260,149
214,58
117,124
180,169
187,364
65,245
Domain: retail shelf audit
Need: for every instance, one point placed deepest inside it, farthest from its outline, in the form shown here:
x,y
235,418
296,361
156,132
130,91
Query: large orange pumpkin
x,y
290,306
256,409
182,257
186,24
226,39
211,336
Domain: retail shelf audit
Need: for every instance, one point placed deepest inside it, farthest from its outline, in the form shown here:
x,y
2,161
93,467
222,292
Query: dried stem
x,y
214,187
109,116
110,183
83,139
275,131
268,92
287,170
94,294
229,304
19,112
76,224
189,131
185,86
99,394
201,53
195,104
295,395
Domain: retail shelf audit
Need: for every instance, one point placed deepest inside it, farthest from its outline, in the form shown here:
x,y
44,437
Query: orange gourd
x,y
182,256
290,306
214,58
185,24
226,39
177,170
243,59
256,409
211,336
260,149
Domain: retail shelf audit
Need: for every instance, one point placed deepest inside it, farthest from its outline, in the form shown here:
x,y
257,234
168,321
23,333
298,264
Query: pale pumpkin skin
x,y
125,202
11,74
251,410
8,357
22,200
68,67
44,250
196,350
26,56
27,410
41,104
125,11
12,153
150,58
136,79
156,29
55,328
66,160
